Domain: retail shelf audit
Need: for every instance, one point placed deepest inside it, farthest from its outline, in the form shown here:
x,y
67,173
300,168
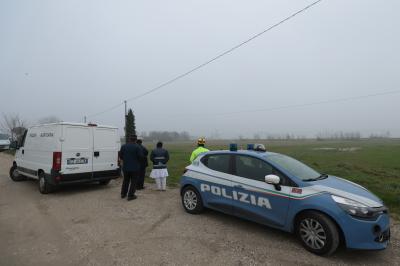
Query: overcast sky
x,y
76,58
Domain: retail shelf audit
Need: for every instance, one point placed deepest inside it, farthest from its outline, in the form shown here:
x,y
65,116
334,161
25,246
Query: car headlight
x,y
357,209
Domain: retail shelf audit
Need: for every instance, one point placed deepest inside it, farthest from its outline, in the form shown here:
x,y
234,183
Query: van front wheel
x,y
15,175
44,186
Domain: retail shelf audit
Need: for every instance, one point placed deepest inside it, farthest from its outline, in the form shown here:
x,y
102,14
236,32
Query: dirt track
x,y
91,225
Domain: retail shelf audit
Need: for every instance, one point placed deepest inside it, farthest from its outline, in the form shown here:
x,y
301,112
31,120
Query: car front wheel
x,y
318,233
191,200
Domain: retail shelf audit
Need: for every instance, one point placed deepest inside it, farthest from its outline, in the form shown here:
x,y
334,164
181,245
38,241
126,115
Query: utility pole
x,y
126,117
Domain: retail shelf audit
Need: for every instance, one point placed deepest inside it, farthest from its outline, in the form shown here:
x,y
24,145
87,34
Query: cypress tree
x,y
130,128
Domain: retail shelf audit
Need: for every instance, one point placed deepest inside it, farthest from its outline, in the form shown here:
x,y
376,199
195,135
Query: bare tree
x,y
49,119
13,125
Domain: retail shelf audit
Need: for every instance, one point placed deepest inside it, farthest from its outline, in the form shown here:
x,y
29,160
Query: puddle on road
x,y
343,149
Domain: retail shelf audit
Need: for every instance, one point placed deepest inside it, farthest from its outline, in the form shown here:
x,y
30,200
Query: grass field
x,y
374,164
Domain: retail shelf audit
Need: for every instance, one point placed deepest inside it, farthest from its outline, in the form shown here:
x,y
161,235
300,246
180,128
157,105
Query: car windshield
x,y
294,167
3,136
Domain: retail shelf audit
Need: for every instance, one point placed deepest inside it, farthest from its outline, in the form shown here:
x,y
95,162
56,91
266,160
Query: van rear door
x,y
105,150
77,151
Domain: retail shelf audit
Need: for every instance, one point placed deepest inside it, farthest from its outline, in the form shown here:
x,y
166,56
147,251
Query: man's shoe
x,y
123,196
132,198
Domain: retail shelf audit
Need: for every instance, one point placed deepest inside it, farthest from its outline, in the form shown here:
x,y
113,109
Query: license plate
x,y
77,161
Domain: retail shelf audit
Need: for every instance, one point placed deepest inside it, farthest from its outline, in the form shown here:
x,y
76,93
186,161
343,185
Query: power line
x,y
106,110
214,58
224,53
298,105
316,103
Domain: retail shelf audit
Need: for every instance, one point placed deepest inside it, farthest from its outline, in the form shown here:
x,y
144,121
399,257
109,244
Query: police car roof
x,y
259,154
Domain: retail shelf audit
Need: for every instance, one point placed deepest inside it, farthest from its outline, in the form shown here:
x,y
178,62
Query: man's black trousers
x,y
129,184
140,180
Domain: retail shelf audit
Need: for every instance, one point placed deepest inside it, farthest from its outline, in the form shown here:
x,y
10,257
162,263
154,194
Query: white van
x,y
65,153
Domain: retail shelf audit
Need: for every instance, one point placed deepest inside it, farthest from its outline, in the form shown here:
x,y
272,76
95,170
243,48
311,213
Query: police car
x,y
281,192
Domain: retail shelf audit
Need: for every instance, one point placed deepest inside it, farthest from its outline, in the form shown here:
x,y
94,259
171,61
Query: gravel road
x,y
91,225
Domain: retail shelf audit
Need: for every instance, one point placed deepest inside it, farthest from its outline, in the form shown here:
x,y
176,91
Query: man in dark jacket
x,y
143,164
130,154
159,157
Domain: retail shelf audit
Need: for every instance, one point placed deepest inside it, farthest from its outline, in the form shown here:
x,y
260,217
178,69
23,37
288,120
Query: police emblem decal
x,y
297,190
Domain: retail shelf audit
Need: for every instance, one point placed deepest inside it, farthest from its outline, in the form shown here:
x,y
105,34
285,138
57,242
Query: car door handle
x,y
238,186
23,151
96,154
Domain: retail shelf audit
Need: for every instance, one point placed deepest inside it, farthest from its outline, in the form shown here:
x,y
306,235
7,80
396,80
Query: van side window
x,y
217,162
22,140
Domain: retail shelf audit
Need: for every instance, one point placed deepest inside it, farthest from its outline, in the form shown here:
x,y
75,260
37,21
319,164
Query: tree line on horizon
x,y
14,126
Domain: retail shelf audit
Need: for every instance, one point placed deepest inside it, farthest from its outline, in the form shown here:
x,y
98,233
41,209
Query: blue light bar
x,y
250,147
233,147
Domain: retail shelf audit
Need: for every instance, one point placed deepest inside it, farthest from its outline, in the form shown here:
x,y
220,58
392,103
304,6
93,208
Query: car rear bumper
x,y
57,178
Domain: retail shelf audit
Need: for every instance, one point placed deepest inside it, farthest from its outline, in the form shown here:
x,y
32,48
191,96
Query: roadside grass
x,y
374,164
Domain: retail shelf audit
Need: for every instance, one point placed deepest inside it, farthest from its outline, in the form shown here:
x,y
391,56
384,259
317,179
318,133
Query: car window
x,y
217,162
252,168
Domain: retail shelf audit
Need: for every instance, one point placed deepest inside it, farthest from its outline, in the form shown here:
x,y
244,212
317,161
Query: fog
x,y
71,59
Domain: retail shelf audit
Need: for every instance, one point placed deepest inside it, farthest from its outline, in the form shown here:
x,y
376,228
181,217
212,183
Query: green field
x,y
374,164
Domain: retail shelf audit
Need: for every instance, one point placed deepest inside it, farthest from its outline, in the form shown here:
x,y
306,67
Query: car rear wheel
x,y
44,186
15,175
318,233
191,200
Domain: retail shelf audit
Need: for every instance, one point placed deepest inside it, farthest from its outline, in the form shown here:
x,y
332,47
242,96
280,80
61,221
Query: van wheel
x,y
104,182
44,186
15,175
191,200
318,233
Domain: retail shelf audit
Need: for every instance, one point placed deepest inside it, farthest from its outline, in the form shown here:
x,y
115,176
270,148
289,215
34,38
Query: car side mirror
x,y
14,145
273,180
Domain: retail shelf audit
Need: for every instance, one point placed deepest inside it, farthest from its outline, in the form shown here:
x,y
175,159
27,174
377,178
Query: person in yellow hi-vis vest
x,y
200,149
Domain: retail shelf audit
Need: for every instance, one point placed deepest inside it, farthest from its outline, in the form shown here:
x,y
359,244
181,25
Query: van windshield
x,y
3,136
